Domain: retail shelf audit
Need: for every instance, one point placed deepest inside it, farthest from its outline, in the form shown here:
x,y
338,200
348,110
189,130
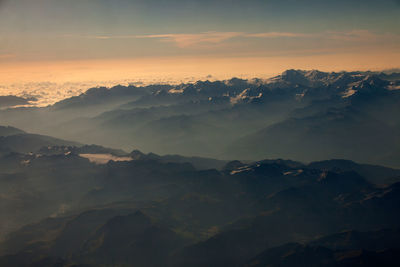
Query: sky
x,y
65,41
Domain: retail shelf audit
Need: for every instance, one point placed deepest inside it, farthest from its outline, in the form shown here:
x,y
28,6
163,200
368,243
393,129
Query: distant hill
x,y
25,143
303,115
375,174
11,101
8,130
353,249
59,209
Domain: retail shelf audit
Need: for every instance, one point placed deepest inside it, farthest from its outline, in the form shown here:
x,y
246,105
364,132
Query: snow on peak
x,y
244,96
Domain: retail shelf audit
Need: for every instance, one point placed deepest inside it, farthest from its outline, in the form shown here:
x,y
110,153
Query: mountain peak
x,y
292,74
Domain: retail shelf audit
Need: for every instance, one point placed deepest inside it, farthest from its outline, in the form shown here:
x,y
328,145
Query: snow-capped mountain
x,y
304,115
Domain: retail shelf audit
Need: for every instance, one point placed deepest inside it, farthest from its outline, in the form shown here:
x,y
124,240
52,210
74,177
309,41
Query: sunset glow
x,y
72,47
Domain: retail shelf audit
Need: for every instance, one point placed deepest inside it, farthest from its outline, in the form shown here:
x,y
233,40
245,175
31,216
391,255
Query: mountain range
x,y
302,169
61,208
302,115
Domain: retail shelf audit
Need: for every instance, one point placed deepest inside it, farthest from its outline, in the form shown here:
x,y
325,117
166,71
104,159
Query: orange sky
x,y
103,42
187,68
53,80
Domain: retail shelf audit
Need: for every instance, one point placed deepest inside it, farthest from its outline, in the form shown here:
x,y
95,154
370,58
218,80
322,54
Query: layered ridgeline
x,y
302,115
69,204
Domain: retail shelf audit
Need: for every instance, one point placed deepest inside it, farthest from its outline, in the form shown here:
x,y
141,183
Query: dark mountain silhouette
x,y
8,130
132,239
345,249
13,140
151,193
10,101
334,134
303,115
375,174
25,143
162,211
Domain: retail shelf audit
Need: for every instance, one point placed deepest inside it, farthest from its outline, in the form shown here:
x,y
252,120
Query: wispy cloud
x,y
277,35
105,37
188,40
184,40
355,35
364,37
218,39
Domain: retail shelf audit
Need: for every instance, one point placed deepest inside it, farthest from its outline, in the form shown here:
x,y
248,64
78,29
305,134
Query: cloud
x,y
183,40
354,35
277,35
361,36
209,40
189,40
105,37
